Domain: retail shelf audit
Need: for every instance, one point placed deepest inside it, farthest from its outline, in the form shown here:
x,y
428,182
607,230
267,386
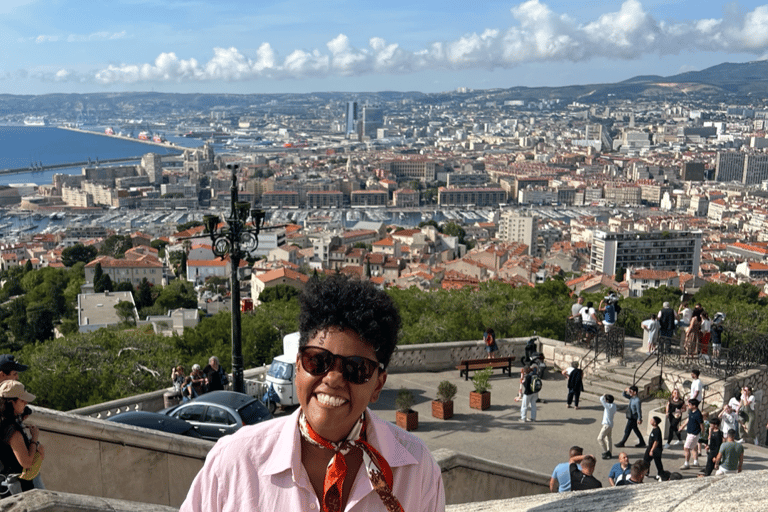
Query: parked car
x,y
219,413
156,421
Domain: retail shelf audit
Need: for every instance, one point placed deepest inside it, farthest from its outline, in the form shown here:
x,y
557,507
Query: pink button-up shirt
x,y
259,469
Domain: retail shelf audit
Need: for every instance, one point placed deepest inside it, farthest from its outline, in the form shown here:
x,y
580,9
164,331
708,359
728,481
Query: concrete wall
x,y
471,479
712,494
104,459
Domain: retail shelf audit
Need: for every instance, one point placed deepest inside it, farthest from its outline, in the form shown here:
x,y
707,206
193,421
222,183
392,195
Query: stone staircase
x,y
604,377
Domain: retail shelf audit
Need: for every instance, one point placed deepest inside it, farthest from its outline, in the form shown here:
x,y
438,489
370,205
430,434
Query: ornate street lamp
x,y
237,239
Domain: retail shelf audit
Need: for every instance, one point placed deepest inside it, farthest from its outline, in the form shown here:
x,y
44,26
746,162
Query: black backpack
x,y
535,383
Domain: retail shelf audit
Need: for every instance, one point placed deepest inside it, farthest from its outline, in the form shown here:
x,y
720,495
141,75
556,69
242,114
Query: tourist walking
x,y
529,395
714,441
634,418
674,412
730,459
693,429
575,375
605,437
654,450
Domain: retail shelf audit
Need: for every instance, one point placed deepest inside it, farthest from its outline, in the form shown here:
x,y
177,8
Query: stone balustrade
x,y
407,358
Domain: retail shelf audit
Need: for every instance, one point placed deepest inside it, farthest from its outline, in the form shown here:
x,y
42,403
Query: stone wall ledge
x,y
742,492
68,424
51,501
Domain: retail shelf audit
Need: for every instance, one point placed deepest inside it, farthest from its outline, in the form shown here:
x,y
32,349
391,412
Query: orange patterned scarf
x,y
377,467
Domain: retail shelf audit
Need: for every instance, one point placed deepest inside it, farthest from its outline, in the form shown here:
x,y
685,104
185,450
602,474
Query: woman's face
x,y
330,403
18,406
675,394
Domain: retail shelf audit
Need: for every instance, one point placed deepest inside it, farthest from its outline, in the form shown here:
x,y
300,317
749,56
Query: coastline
x,y
165,144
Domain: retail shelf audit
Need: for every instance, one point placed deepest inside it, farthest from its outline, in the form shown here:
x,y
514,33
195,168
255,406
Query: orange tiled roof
x,y
281,273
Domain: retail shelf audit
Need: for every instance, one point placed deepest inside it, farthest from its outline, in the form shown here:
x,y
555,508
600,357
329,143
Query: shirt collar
x,y
287,452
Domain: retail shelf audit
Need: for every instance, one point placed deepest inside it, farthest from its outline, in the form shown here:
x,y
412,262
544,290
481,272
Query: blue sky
x,y
268,46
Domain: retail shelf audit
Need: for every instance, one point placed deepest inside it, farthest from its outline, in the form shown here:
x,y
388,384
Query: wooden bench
x,y
467,365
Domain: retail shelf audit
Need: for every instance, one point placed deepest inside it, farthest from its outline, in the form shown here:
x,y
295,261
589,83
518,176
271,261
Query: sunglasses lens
x,y
318,361
357,370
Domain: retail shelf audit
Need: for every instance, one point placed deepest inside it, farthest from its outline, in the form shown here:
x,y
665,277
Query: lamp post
x,y
237,239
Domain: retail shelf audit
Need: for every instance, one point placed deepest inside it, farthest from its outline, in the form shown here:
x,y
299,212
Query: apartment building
x,y
367,198
280,199
471,196
419,169
325,199
519,226
659,250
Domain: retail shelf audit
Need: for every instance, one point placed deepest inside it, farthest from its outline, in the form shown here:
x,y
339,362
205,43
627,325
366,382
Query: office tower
x,y
351,118
372,120
661,250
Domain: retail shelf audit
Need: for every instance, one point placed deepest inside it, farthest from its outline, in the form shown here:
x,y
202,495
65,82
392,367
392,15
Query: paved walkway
x,y
497,434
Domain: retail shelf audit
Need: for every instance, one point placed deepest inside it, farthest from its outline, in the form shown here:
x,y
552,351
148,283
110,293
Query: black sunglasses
x,y
317,361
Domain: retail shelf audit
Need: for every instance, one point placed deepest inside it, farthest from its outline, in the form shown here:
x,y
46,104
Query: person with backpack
x,y
489,337
531,388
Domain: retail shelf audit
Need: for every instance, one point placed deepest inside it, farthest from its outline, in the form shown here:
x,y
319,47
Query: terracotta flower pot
x,y
442,410
480,401
407,420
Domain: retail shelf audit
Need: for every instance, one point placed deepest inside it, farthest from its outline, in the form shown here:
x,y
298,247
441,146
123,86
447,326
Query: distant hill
x,y
728,82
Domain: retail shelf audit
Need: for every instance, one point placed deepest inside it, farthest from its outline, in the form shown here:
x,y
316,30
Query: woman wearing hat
x,y
17,451
333,454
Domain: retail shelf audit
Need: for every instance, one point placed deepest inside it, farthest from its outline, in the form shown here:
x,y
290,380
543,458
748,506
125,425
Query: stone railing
x,y
156,400
407,358
434,357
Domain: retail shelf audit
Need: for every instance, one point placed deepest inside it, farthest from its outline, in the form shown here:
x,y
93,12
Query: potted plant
x,y
442,408
407,418
480,398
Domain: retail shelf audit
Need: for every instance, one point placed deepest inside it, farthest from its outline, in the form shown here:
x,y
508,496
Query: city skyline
x,y
238,47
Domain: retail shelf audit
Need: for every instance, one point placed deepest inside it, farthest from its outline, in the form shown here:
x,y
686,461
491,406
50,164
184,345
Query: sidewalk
x,y
497,433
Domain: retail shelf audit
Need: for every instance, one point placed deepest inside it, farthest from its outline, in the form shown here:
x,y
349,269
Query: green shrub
x,y
481,380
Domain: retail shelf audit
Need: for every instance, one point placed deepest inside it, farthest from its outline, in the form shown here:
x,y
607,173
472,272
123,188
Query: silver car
x,y
219,413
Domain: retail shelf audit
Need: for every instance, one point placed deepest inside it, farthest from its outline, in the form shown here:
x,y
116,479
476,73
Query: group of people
x,y
701,335
717,438
21,453
199,381
586,315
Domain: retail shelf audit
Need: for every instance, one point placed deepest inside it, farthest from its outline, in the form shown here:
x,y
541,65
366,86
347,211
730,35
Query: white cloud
x,y
82,38
537,34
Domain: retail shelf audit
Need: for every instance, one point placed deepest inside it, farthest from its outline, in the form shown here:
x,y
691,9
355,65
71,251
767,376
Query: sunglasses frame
x,y
376,364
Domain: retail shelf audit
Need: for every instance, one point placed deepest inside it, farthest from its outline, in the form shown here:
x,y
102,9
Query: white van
x,y
281,376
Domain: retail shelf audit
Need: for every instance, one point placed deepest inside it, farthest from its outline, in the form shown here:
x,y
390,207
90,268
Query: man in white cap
x,y
667,318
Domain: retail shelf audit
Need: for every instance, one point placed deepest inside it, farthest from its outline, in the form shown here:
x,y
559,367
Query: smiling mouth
x,y
332,401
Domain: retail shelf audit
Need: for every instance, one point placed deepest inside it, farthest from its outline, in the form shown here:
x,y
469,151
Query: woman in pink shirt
x,y
333,454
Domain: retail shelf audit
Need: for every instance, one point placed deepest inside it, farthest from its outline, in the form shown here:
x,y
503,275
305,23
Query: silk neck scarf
x,y
376,466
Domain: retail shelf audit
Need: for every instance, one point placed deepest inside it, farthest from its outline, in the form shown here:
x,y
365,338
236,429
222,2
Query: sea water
x,y
24,146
